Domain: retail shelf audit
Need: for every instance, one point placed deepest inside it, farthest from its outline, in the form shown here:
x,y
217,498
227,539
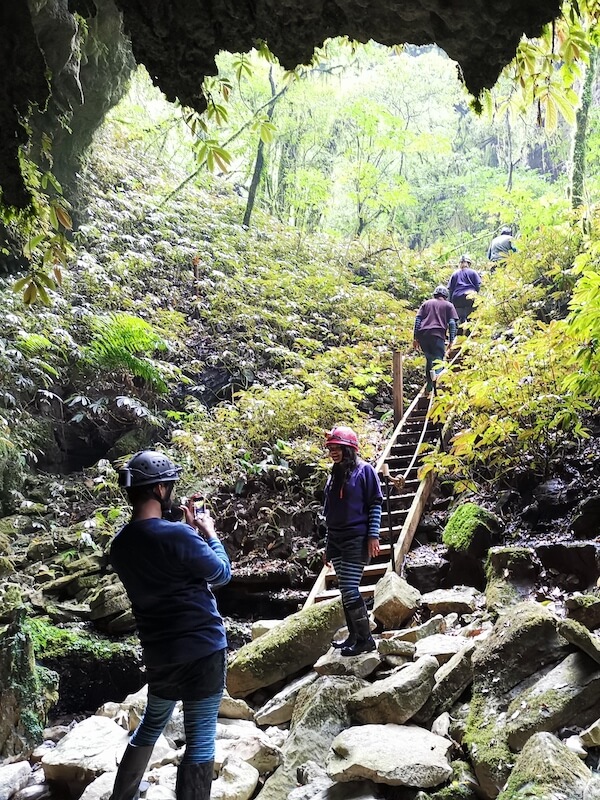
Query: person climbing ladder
x,y
434,318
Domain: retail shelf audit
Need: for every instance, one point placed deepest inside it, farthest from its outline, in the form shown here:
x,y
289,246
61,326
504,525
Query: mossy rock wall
x,y
27,692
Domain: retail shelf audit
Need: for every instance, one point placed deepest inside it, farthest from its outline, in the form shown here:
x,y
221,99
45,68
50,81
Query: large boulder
x,y
522,642
569,693
397,755
296,643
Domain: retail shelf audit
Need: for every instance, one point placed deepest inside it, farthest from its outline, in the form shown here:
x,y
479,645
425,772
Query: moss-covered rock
x,y
460,787
584,609
471,529
11,601
546,769
298,642
523,641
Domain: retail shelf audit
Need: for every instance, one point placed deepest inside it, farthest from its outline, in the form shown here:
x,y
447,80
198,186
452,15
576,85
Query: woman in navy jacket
x,y
352,511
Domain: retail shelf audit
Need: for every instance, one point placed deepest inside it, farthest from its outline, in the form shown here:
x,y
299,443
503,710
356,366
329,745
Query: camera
x,y
199,508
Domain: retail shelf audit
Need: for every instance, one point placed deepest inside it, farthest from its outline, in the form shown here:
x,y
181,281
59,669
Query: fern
x,y
124,342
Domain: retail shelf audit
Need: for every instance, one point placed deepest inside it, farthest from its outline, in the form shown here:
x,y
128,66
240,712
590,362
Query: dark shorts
x,y
349,548
192,680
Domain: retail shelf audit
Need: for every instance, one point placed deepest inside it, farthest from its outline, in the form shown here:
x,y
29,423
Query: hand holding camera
x,y
198,516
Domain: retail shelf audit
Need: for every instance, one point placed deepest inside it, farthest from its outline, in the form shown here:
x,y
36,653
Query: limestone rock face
x,y
26,693
177,42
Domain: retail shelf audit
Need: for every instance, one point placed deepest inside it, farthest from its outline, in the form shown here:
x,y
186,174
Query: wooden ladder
x,y
406,502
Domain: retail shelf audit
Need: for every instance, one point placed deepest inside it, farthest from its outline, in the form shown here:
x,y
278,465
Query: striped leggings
x,y
348,574
199,722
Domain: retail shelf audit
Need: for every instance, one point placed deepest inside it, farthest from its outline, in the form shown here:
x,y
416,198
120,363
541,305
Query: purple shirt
x,y
463,281
347,502
433,317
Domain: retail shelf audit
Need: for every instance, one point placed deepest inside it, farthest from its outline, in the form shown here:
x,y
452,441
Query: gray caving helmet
x,y
506,231
466,257
441,290
147,467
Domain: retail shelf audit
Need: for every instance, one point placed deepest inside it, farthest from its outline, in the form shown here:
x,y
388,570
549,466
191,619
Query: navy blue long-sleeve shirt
x,y
350,502
166,568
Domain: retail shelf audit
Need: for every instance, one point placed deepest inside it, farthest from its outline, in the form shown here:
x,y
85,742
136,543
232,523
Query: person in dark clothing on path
x,y
168,569
463,285
352,510
501,245
435,317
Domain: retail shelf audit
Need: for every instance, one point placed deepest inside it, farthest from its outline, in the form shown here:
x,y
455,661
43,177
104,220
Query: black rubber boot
x,y
130,772
194,781
364,641
351,638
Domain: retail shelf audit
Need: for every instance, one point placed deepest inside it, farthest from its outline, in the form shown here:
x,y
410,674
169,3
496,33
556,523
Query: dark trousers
x,y
463,306
434,349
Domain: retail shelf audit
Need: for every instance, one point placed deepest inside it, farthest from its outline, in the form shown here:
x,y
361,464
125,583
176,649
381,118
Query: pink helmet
x,y
341,434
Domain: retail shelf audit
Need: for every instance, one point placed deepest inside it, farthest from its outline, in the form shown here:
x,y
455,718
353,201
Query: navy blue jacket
x,y
166,568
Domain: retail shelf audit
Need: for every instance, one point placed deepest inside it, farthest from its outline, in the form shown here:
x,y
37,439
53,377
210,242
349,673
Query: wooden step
x,y
331,594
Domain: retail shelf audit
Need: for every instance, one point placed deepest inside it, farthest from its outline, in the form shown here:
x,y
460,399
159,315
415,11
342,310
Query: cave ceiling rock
x,y
177,41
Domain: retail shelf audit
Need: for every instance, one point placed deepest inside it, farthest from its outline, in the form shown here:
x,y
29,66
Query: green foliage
x,y
266,430
39,232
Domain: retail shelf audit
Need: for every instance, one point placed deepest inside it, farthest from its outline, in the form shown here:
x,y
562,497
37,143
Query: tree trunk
x,y
580,133
260,159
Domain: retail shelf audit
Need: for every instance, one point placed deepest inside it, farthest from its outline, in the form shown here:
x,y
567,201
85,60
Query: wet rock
x,y
441,646
27,692
586,518
572,558
426,568
551,494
